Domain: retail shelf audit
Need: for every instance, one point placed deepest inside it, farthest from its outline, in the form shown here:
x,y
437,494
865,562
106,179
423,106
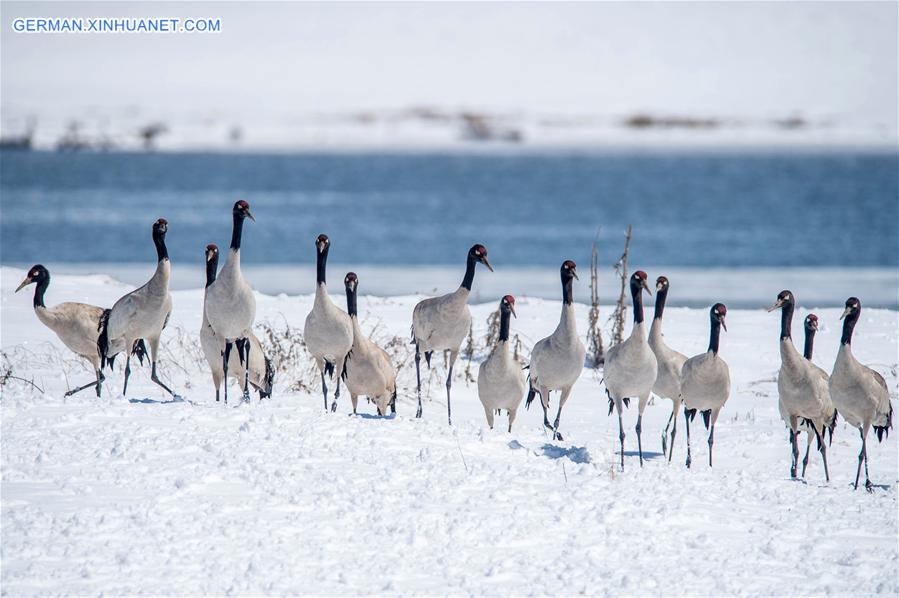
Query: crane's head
x,y
350,281
507,303
242,210
569,270
811,323
640,280
718,311
853,308
783,298
322,243
478,253
37,274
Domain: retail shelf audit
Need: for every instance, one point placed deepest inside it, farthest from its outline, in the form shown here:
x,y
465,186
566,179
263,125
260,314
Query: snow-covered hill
x,y
145,495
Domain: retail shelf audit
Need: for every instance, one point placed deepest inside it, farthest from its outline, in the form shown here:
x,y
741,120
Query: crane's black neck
x,y
848,326
469,273
505,317
714,335
567,288
786,320
351,301
211,270
661,297
237,231
321,262
161,252
637,296
39,289
809,343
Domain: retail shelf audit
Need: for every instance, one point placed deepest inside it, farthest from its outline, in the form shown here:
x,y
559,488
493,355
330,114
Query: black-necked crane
x,y
141,314
630,368
75,324
230,305
500,381
558,360
328,331
262,373
367,370
705,383
803,396
441,324
859,393
670,364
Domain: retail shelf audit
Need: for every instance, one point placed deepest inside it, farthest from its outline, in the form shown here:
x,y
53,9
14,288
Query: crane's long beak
x,y
723,325
777,305
486,263
845,313
574,273
24,284
250,216
512,307
646,286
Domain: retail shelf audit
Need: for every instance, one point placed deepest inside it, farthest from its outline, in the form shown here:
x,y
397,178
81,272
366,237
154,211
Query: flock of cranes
x,y
643,364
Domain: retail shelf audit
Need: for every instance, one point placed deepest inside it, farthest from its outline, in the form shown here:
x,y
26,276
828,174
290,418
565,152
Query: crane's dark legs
x,y
418,377
324,389
665,435
794,449
673,432
863,456
639,437
711,442
158,381
805,458
621,436
823,448
449,386
127,374
336,395
225,357
687,414
98,383
243,349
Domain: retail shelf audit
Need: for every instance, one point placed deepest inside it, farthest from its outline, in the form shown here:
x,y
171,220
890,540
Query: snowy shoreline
x,y
744,287
144,495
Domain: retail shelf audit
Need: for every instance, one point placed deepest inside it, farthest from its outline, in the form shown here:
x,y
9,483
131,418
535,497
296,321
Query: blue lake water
x,y
701,209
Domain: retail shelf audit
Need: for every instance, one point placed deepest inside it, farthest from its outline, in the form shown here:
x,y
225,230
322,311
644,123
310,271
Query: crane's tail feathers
x,y
329,369
691,413
532,392
265,393
831,427
393,401
626,401
139,350
706,416
345,361
884,430
109,362
103,337
428,357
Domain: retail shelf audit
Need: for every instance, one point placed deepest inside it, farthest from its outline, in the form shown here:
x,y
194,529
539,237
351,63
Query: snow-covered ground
x,y
145,495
